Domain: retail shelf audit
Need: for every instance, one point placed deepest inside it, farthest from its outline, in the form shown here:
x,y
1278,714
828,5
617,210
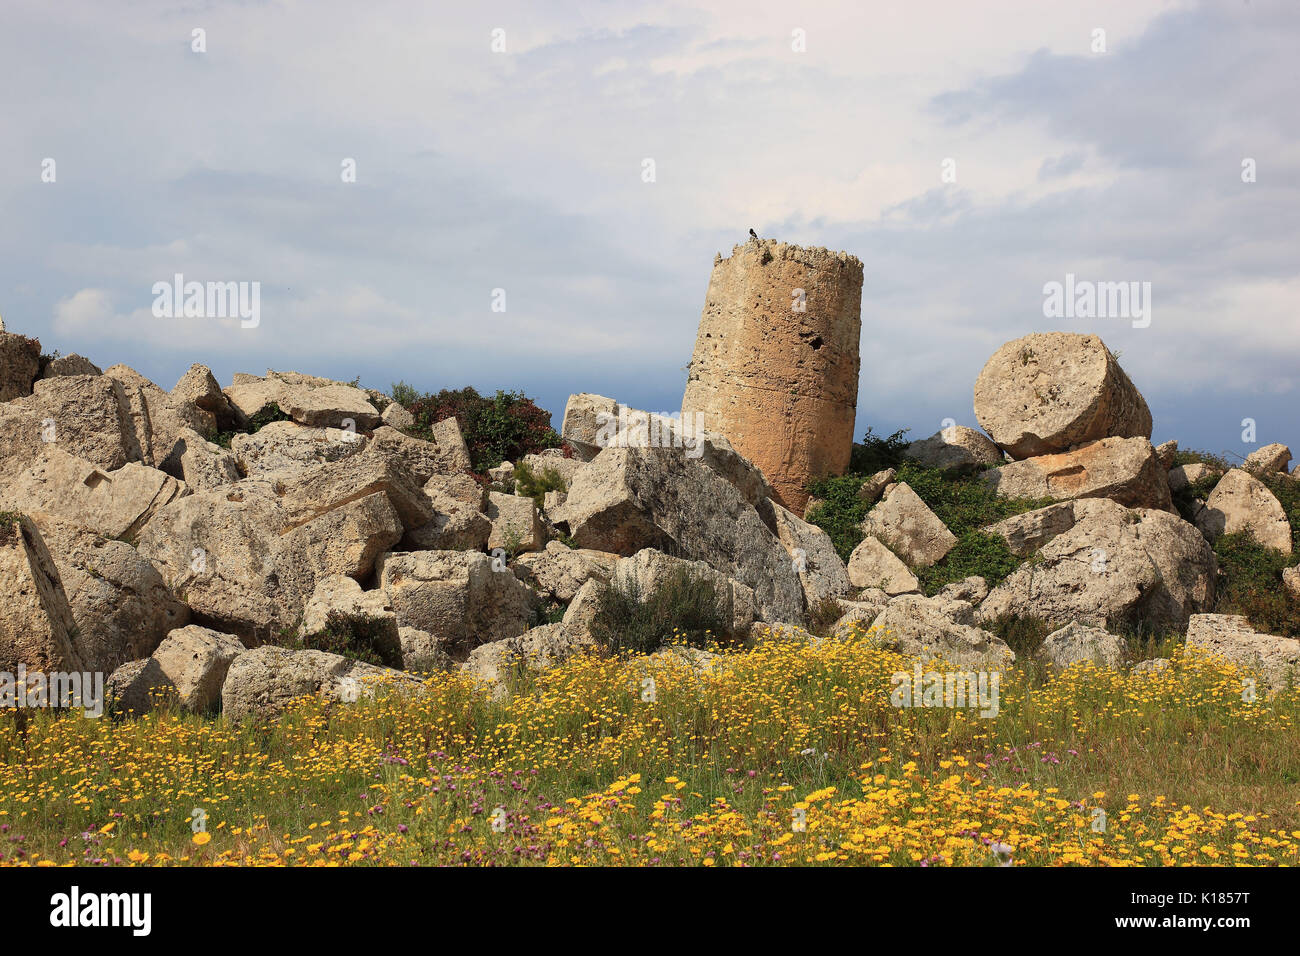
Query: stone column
x,y
775,368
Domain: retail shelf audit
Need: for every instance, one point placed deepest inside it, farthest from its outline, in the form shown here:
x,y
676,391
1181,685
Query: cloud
x,y
522,171
83,313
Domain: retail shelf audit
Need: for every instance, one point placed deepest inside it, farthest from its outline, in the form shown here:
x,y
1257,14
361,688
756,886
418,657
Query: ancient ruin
x,y
158,539
775,367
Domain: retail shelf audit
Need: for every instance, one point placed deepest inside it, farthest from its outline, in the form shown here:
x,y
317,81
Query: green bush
x,y
963,502
532,485
1023,634
504,427
1191,456
404,394
876,454
355,637
822,615
1287,492
841,511
1250,583
683,609
966,504
975,553
268,414
1187,498
1250,574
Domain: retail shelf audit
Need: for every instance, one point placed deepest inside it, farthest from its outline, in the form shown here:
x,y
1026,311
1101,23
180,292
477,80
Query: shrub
x,y
1250,574
353,636
876,454
404,394
255,423
1185,498
550,613
1191,456
270,413
532,485
822,616
513,543
963,502
975,553
684,608
505,427
1023,634
1250,583
1287,491
966,504
841,511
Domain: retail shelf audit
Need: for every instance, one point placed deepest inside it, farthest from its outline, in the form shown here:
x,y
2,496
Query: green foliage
x,y
975,553
876,454
1188,498
1250,583
683,609
549,613
1024,635
1185,498
270,413
822,616
504,427
404,394
513,543
1250,574
1287,491
841,511
254,424
532,485
354,636
963,502
1191,456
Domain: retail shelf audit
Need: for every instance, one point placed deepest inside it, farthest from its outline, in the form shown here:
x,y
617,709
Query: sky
x,y
968,154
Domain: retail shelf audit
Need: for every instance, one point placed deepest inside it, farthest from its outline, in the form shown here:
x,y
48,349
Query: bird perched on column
x,y
753,234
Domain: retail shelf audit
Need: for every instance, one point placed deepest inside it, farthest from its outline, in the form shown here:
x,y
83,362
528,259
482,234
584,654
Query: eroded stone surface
x,y
1125,470
775,370
1045,392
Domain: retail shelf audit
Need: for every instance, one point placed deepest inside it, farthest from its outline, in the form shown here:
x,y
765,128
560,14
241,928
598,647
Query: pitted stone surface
x,y
780,381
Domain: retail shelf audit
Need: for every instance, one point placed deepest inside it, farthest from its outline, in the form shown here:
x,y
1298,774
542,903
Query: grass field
x,y
784,753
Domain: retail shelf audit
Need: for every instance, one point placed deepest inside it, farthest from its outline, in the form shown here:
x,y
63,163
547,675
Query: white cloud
x,y
84,313
522,171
